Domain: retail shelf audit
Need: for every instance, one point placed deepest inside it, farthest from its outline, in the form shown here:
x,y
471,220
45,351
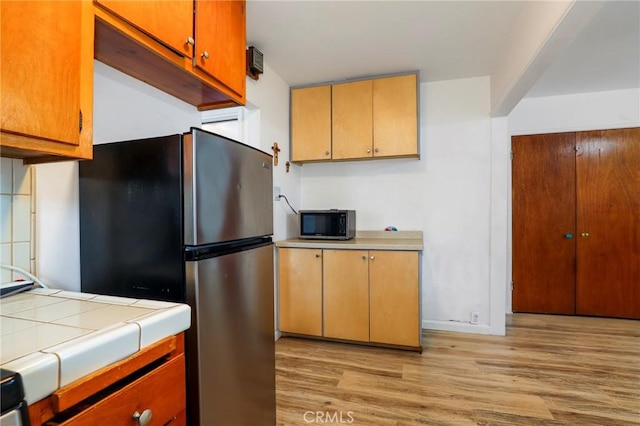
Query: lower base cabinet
x,y
358,295
148,388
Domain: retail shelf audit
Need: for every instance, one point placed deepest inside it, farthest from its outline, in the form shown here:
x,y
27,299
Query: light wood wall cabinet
x,y
311,124
150,383
300,293
367,296
194,51
46,80
363,119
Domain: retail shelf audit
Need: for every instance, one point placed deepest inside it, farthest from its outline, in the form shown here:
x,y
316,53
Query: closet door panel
x,y
608,207
543,184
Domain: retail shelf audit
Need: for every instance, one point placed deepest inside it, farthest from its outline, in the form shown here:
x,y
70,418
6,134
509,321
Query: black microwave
x,y
327,224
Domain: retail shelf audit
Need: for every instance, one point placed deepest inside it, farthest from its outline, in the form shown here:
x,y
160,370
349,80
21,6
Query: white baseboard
x,y
278,335
460,327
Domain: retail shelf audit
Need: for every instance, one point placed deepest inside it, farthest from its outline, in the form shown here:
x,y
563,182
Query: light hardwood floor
x,y
548,370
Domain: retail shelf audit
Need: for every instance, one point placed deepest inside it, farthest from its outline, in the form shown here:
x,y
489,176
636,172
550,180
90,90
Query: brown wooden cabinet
x,y
47,80
300,295
363,119
150,382
194,51
357,295
575,223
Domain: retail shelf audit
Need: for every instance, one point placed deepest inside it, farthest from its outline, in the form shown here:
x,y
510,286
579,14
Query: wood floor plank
x,y
547,370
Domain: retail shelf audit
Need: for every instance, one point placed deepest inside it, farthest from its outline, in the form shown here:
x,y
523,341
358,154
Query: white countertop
x,y
364,240
54,337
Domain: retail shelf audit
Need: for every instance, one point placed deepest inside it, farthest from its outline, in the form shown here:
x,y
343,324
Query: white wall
x,y
579,112
269,98
446,194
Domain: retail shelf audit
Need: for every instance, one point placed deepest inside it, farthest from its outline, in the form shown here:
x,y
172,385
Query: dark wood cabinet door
x,y
543,190
608,211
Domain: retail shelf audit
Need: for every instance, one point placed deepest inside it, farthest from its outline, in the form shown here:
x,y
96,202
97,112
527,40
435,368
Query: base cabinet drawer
x,y
162,391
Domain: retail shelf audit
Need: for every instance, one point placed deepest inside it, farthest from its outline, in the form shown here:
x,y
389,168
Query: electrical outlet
x,y
475,317
276,193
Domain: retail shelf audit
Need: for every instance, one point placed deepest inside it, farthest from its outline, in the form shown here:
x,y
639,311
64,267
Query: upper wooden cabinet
x,y
194,51
395,116
171,22
374,118
220,37
311,124
46,80
352,119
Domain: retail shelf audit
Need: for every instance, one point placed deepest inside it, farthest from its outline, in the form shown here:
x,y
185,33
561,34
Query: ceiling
x,y
307,42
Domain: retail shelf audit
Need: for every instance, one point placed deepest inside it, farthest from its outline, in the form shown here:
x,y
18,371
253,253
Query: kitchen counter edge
x,y
364,240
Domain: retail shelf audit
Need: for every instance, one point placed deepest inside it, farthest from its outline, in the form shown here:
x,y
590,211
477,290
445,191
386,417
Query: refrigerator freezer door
x,y
228,190
231,369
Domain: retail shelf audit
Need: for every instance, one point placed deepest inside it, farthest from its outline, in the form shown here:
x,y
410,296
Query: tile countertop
x,y
54,337
364,240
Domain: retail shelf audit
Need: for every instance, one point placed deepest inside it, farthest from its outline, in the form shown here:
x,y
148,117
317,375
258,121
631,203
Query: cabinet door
x,y
311,124
170,22
44,81
352,120
220,31
346,294
300,303
393,296
395,116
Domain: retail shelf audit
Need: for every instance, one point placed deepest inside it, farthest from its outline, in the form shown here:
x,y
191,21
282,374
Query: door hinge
x,y
511,285
511,154
80,122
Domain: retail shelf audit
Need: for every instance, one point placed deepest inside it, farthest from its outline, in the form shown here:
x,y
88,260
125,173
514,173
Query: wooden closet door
x,y
608,250
543,190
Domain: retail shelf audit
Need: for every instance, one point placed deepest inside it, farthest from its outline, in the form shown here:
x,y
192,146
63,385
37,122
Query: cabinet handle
x,y
585,234
376,150
326,153
368,150
190,41
317,255
205,55
372,258
144,418
364,257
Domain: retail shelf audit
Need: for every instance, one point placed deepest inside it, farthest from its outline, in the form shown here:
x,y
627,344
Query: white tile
x,y
155,304
6,175
39,373
164,323
21,218
5,258
11,325
25,301
32,241
94,351
75,295
44,291
116,300
21,259
57,311
5,216
104,317
21,178
36,338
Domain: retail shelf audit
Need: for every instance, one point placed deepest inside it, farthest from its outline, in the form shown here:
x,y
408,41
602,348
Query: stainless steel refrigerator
x,y
189,218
